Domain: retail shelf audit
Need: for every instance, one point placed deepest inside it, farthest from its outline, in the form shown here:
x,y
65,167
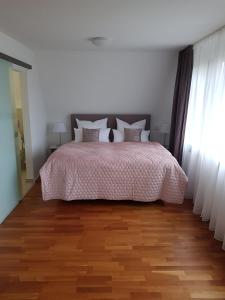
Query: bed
x,y
113,171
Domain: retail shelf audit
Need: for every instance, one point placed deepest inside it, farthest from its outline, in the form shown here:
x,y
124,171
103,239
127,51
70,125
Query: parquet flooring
x,y
108,250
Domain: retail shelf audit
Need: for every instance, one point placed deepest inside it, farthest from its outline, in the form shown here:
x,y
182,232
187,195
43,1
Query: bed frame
x,y
129,118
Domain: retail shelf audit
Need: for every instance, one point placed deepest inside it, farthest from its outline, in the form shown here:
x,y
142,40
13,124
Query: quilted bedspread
x,y
114,171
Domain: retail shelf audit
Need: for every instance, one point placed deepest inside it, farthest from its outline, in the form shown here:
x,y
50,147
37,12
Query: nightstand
x,y
53,148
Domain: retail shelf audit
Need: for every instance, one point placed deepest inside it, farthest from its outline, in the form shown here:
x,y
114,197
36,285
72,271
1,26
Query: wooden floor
x,y
108,250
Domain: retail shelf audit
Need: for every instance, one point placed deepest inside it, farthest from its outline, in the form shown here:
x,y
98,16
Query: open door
x,y
22,128
10,193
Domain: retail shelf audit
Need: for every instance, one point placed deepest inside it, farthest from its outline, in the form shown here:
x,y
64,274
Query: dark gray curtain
x,y
180,102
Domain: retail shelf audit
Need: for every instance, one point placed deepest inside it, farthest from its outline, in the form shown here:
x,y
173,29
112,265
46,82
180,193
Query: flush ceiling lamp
x,y
98,41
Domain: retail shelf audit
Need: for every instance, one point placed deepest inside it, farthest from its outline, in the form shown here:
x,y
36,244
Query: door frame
x,y
26,120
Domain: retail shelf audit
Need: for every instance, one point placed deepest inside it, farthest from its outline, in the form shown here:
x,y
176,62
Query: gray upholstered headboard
x,y
129,118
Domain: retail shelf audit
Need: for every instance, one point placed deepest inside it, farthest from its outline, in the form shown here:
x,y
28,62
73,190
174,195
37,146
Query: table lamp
x,y
59,127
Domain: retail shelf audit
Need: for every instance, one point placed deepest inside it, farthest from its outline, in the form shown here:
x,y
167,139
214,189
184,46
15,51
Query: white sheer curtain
x,y
204,144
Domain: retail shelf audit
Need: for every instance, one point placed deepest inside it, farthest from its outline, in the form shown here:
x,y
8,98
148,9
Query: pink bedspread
x,y
115,171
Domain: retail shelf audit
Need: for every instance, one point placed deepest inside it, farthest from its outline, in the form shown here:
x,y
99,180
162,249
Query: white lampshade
x,y
59,127
164,128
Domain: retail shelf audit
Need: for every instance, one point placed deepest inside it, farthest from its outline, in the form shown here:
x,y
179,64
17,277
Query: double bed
x,y
138,171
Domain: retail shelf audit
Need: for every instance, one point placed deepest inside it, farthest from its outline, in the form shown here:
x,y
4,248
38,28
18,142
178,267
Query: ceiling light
x,y
98,41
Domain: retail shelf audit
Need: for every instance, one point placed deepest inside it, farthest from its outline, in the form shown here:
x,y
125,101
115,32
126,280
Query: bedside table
x,y
53,148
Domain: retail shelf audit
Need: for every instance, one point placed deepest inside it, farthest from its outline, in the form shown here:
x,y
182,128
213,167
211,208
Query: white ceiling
x,y
131,24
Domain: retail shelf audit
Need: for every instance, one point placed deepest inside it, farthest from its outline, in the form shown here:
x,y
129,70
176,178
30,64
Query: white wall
x,y
93,82
37,111
108,82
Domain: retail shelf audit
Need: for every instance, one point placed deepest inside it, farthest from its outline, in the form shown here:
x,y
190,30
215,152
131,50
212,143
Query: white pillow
x,y
103,135
119,136
98,124
145,135
78,135
136,125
